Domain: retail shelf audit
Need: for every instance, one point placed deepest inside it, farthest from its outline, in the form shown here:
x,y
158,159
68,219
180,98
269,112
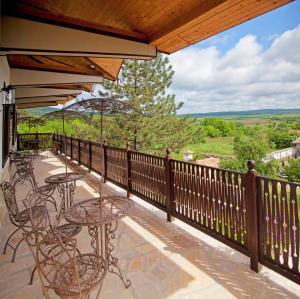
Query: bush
x,y
292,170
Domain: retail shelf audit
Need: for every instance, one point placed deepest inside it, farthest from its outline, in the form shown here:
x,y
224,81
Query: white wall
x,y
4,174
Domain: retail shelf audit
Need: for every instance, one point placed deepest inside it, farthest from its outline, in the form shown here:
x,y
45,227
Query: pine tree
x,y
144,85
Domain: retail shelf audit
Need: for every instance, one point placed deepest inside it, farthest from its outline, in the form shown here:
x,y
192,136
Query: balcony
x,y
163,259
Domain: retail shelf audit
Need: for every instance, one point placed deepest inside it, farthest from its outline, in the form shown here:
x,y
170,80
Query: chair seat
x,y
24,216
68,230
90,270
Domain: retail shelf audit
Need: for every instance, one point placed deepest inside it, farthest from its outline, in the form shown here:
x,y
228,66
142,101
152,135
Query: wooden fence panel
x,y
84,153
75,149
279,226
211,199
116,160
148,178
97,157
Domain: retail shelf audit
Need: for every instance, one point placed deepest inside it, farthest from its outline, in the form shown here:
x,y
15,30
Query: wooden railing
x,y
256,215
45,140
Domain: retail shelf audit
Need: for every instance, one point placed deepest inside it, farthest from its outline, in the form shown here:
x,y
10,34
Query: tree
x,y
252,147
292,170
144,85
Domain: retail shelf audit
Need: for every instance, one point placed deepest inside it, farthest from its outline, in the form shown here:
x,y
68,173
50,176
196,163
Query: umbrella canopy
x,y
105,105
93,106
30,120
60,114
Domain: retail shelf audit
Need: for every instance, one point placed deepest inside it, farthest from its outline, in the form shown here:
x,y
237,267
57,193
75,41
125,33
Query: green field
x,y
220,145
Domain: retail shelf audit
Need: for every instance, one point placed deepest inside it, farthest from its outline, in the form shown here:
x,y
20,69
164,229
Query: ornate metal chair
x,y
20,219
62,269
41,222
24,172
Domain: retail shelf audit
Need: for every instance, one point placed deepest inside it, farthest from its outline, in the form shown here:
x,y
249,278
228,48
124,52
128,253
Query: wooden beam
x,y
27,92
20,77
40,99
34,105
102,70
48,39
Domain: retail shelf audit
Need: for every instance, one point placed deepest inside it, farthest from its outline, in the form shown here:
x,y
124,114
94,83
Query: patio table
x,y
66,185
101,215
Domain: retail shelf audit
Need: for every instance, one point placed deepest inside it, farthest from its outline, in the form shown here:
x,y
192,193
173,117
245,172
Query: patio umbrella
x,y
94,106
62,114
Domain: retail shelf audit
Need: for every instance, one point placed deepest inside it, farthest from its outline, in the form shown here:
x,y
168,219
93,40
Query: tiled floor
x,y
162,259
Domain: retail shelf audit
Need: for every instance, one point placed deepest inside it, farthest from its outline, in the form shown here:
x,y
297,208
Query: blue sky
x,y
251,66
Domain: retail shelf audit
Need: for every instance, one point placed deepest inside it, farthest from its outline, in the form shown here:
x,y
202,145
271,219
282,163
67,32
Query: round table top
x,y
64,177
99,211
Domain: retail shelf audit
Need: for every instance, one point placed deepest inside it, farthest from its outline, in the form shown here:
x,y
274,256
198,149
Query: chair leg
x,y
32,275
15,250
53,202
7,242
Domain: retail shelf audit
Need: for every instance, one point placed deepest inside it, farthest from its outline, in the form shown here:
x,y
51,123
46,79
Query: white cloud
x,y
245,77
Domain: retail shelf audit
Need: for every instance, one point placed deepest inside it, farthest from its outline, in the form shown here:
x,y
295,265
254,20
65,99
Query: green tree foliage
x,y
217,127
292,170
144,85
281,138
255,146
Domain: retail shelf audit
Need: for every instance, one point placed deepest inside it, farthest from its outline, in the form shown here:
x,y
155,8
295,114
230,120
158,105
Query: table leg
x,y
101,242
112,262
66,192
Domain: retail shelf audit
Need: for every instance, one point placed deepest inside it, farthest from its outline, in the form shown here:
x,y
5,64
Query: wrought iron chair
x,y
41,222
62,269
24,172
20,219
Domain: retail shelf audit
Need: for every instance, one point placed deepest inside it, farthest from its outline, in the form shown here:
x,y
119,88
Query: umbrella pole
x,y
66,167
101,142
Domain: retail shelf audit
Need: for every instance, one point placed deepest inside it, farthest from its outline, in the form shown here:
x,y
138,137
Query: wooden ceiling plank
x,y
112,76
204,8
257,8
23,10
225,22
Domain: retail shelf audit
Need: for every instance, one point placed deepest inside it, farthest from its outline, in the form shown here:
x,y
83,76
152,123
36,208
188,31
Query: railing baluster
x,y
252,215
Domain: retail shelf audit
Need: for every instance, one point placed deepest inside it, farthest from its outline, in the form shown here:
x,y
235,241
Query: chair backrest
x,y
24,170
53,255
35,203
10,200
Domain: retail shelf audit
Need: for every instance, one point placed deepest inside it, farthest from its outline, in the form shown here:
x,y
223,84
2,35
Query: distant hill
x,y
39,110
246,113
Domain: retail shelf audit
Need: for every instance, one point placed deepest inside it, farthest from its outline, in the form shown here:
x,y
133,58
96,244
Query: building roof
x,y
169,25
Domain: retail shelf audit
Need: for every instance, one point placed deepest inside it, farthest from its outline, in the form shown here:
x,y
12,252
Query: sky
x,y
255,65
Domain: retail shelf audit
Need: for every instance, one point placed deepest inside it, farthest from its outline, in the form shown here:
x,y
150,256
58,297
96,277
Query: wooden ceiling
x,y
107,67
84,87
170,25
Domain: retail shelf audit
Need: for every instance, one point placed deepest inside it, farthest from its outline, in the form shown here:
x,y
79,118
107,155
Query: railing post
x,y
79,151
128,156
252,215
104,145
168,174
90,155
71,145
